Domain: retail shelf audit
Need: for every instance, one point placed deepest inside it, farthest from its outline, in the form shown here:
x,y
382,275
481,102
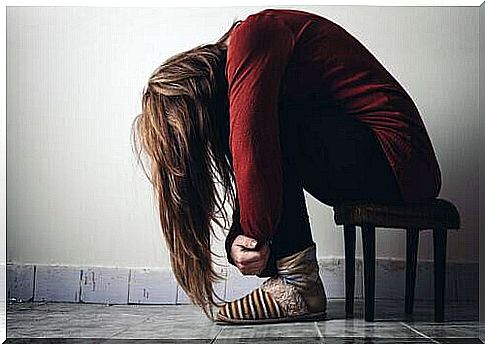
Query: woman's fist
x,y
245,256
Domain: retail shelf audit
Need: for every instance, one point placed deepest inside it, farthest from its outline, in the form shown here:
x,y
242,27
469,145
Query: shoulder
x,y
261,29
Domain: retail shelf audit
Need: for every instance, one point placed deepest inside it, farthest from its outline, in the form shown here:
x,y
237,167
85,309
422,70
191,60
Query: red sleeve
x,y
257,56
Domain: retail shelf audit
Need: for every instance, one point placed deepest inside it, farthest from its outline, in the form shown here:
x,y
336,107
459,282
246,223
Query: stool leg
x,y
412,242
369,245
349,239
439,244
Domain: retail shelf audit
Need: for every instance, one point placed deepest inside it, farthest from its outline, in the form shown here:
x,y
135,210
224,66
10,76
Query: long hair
x,y
183,129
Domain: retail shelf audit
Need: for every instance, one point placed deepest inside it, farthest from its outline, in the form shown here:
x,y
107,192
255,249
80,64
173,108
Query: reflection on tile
x,y
42,308
173,322
185,323
273,340
103,341
450,329
171,327
362,328
300,329
74,325
290,340
458,340
423,311
454,311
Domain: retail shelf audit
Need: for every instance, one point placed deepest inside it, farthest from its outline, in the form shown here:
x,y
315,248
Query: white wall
x,y
74,84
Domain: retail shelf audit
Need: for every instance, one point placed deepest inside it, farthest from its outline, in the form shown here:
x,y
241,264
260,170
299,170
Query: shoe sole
x,y
304,317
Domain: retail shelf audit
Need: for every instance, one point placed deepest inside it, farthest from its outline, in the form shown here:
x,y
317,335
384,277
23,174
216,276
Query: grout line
x,y
217,335
129,282
80,285
318,330
177,294
418,332
33,284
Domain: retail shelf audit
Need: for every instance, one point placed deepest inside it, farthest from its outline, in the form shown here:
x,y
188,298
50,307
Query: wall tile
x,y
152,286
104,285
20,281
57,283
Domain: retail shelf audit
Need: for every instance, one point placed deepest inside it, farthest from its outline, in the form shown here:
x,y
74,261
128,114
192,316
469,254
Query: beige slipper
x,y
273,302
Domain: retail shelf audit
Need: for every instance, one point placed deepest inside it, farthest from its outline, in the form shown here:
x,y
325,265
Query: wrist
x,y
234,231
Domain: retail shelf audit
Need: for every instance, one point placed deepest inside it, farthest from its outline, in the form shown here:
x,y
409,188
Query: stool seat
x,y
435,213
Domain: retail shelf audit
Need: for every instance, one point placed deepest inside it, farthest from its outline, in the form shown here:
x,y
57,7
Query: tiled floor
x,y
96,323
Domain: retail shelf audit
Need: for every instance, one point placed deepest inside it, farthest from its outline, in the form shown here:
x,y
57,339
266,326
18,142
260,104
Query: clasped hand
x,y
245,256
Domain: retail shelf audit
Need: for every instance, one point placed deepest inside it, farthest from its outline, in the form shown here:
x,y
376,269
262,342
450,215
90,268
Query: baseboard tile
x,y
104,285
47,284
152,286
118,285
20,281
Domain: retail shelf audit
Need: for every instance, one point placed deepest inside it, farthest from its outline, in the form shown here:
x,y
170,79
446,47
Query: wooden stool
x,y
436,214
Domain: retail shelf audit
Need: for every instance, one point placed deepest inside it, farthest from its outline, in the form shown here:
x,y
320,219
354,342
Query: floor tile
x,y
103,341
175,322
362,328
273,340
301,329
450,329
73,325
100,323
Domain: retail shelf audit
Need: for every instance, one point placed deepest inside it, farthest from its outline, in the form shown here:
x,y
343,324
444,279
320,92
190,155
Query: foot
x,y
273,301
296,293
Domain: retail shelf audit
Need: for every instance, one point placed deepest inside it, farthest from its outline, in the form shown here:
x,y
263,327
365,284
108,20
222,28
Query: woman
x,y
285,101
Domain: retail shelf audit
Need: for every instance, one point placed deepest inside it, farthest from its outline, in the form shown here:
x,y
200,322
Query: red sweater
x,y
307,60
